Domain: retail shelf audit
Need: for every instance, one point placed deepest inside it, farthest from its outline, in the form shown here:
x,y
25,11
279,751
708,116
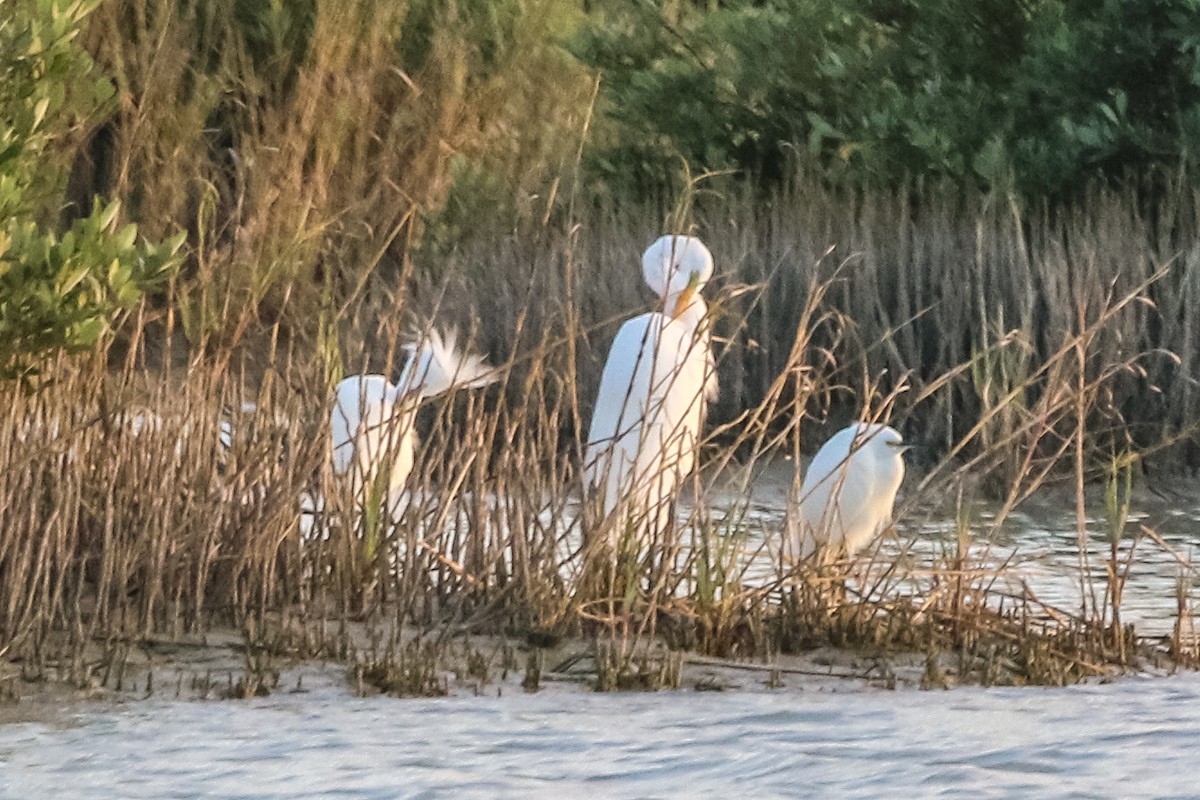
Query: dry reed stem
x,y
116,534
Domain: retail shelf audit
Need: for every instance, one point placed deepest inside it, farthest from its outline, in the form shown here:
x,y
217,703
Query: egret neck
x,y
684,298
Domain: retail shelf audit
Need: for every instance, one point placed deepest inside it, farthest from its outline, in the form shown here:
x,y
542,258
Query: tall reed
x,y
127,517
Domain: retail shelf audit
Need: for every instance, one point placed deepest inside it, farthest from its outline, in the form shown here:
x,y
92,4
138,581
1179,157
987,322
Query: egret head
x,y
885,435
677,266
879,441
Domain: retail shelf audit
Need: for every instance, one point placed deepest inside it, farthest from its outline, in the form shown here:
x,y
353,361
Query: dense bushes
x,y
311,148
1051,93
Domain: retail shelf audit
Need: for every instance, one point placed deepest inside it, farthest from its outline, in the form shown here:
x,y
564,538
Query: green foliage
x,y
1049,93
310,145
739,86
56,291
1106,88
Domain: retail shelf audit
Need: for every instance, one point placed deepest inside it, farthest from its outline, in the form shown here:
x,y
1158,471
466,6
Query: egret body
x,y
651,403
850,488
372,424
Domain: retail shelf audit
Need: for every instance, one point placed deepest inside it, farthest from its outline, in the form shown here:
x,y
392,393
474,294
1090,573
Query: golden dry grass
x,y
126,518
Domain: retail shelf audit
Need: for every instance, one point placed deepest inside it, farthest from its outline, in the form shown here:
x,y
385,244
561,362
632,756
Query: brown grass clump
x,y
409,670
1023,344
305,145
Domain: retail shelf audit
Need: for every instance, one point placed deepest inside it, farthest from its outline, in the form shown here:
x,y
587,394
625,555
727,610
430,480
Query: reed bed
x,y
161,489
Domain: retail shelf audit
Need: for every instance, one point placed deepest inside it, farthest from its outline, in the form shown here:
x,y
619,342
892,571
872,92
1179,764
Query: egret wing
x,y
624,384
357,398
835,492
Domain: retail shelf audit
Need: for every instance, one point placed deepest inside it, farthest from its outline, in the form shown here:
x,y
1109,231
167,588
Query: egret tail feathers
x,y
435,365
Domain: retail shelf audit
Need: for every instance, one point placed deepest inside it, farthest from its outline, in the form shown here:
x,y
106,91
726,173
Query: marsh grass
x,y
304,146
408,670
1033,349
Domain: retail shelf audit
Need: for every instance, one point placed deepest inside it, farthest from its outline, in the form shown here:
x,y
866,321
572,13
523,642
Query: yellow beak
x,y
685,297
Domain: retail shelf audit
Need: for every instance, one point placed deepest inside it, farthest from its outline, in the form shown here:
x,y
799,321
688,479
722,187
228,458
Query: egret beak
x,y
685,297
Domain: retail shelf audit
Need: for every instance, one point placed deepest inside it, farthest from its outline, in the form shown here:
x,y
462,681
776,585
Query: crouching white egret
x,y
372,425
850,488
651,403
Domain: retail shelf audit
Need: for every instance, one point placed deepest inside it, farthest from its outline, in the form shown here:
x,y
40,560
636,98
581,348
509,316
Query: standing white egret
x,y
656,382
372,425
849,490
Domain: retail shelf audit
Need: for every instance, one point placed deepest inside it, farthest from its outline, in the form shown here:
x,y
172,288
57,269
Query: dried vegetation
x,y
176,482
150,498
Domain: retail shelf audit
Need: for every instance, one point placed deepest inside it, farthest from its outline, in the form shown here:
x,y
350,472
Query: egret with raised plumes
x,y
373,420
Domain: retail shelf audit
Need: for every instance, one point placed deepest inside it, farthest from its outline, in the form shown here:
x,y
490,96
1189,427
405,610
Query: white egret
x,y
229,425
656,382
849,490
372,424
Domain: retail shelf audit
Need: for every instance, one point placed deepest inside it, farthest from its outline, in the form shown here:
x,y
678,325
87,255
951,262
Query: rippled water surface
x,y
1132,738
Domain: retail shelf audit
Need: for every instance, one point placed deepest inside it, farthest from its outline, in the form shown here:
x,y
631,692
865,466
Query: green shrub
x,y
741,86
1106,88
1047,93
57,292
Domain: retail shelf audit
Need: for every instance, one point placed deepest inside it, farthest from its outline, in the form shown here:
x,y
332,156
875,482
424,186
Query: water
x,y
1131,738
1034,549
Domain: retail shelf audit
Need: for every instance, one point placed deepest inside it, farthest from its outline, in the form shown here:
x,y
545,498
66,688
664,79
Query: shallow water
x,y
1131,738
1038,546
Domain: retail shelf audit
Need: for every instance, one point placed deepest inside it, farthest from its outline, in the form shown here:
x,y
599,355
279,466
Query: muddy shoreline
x,y
216,667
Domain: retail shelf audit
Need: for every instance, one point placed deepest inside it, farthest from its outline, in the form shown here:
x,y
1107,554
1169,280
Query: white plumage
x,y
850,488
372,425
651,402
